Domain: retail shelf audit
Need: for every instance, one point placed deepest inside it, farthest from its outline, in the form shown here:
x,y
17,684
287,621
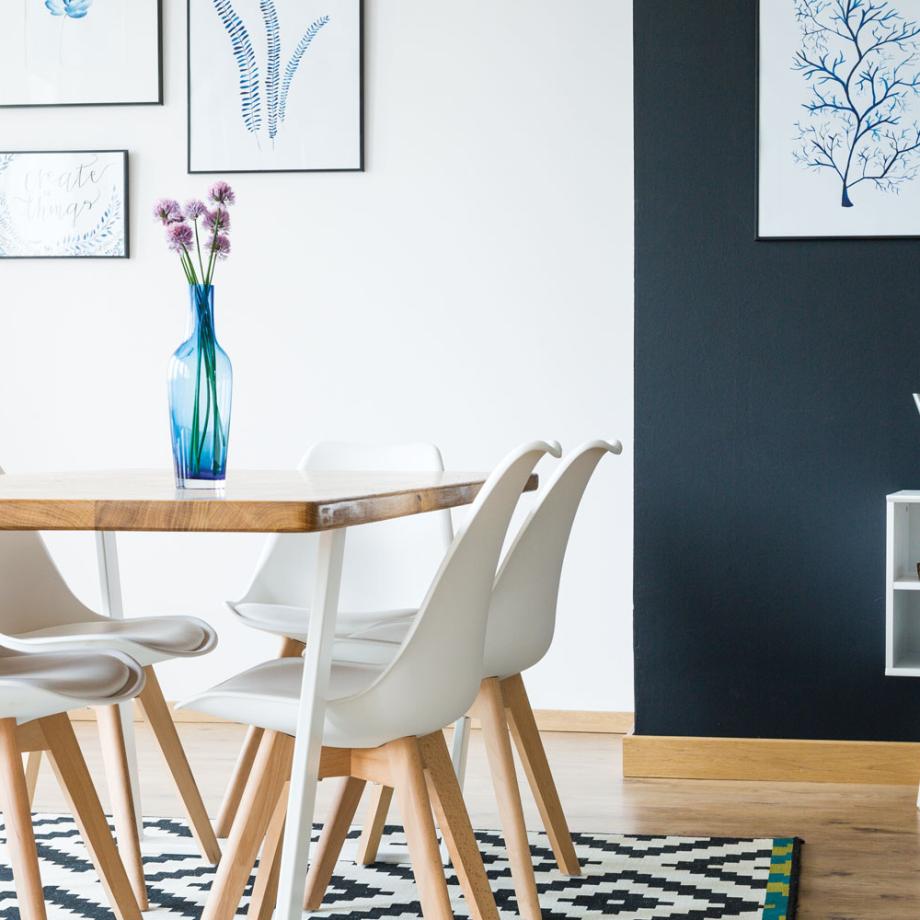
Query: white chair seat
x,y
36,685
292,622
268,696
148,640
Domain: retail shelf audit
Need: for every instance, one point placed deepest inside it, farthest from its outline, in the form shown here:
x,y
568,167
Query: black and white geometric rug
x,y
629,877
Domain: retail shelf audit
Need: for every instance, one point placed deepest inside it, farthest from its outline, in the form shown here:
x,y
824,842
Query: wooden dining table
x,y
269,501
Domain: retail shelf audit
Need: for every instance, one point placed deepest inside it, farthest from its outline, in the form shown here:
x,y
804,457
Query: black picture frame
x,y
126,209
758,237
77,105
361,98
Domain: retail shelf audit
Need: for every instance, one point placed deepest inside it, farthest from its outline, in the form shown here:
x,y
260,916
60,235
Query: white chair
x,y
522,620
39,613
387,568
383,724
36,692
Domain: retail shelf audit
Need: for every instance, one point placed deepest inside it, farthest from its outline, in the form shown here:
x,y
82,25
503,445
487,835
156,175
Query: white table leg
x,y
309,740
113,606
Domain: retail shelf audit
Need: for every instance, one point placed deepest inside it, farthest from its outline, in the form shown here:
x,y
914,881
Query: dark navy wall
x,y
774,413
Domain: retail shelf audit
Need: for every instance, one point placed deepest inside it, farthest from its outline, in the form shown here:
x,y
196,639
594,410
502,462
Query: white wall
x,y
473,287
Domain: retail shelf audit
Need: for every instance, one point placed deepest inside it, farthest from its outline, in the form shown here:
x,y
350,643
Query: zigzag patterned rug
x,y
629,877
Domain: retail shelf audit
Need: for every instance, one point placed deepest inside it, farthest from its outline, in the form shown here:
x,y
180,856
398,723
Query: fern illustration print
x,y
252,89
245,56
275,85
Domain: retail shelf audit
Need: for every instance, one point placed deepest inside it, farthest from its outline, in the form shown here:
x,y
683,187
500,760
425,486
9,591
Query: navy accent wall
x,y
774,413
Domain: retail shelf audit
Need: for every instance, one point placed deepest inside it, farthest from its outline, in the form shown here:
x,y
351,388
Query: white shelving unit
x,y
902,622
902,595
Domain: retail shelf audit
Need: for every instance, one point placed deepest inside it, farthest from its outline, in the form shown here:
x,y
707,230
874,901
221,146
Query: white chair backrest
x,y
522,617
387,566
435,676
33,593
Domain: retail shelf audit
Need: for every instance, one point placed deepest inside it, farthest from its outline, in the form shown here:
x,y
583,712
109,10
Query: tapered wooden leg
x,y
415,807
290,648
490,709
115,758
270,772
33,765
335,830
231,803
265,889
17,818
454,821
73,775
369,844
160,719
533,756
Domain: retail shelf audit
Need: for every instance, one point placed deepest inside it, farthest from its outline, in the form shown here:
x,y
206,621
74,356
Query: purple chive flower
x,y
210,243
221,193
221,246
217,220
167,211
195,209
179,236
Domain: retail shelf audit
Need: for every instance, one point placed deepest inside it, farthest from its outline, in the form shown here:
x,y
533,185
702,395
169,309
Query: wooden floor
x,y
862,853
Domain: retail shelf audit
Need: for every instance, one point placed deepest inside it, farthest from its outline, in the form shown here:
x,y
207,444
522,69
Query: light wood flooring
x,y
862,853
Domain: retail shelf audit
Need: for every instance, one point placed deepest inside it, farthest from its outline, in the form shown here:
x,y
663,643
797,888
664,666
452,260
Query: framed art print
x,y
64,204
275,85
81,52
838,119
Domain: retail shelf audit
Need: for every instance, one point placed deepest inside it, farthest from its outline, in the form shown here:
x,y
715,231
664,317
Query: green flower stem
x,y
204,427
207,355
205,349
187,266
198,247
188,277
210,273
196,452
218,434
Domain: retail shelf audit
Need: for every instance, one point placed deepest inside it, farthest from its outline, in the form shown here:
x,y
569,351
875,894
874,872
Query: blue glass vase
x,y
200,391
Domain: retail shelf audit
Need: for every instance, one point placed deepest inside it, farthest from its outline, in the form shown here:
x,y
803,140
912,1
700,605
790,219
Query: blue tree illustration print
x,y
860,59
275,86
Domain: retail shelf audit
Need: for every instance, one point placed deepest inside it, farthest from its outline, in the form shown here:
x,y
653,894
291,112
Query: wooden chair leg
x,y
160,719
17,818
409,781
231,803
454,821
115,758
369,844
490,709
331,841
73,775
271,771
33,765
290,648
533,756
265,890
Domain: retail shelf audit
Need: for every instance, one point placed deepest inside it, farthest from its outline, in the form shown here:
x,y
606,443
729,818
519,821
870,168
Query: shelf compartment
x,y
904,655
